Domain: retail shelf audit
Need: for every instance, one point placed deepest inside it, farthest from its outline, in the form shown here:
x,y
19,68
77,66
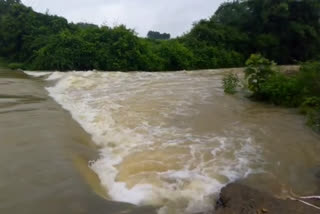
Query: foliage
x,y
230,83
311,108
15,66
280,89
285,31
314,119
313,102
299,90
64,51
158,35
268,84
258,70
176,56
309,77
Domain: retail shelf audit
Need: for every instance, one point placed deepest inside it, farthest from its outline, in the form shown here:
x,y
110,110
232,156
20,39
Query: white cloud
x,y
171,16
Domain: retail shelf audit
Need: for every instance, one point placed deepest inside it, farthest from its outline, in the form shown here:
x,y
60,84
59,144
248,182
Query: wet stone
x,y
240,199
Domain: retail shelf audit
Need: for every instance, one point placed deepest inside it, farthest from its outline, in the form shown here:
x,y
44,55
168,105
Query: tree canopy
x,y
285,31
158,35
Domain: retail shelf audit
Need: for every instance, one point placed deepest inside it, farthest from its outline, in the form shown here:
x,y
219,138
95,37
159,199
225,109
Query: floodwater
x,y
44,155
169,140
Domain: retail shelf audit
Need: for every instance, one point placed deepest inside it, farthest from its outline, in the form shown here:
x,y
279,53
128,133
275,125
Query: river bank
x,y
237,198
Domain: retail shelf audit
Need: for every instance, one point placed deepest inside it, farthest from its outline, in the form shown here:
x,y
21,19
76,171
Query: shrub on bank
x,y
309,78
15,66
230,83
314,119
268,84
280,89
311,108
258,71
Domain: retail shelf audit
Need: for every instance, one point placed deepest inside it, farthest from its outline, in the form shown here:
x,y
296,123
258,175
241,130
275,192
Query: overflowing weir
x,y
173,140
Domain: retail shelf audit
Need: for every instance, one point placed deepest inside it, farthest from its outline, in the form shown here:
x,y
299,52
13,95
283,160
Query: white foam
x,y
128,113
37,73
56,75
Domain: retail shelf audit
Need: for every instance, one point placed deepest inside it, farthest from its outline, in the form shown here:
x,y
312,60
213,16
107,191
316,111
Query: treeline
x,y
286,31
157,35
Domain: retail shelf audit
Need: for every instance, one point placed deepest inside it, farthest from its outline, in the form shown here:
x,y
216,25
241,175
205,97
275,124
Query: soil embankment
x,y
241,199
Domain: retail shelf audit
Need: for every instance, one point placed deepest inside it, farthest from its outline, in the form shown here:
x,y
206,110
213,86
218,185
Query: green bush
x,y
64,51
15,66
268,84
230,83
175,56
311,108
258,70
280,89
309,77
300,90
313,102
314,119
310,105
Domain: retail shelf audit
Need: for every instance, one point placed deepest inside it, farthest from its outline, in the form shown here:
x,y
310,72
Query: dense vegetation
x,y
266,83
157,35
286,31
231,82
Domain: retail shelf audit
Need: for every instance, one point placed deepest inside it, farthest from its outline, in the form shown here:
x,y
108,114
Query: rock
x,y
240,199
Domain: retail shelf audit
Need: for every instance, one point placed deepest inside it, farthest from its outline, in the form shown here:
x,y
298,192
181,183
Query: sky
x,y
170,16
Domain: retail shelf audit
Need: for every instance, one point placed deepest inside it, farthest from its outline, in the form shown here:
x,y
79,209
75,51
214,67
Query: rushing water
x,y
43,155
172,140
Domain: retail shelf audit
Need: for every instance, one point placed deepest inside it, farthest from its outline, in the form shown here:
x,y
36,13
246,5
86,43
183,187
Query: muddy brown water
x,y
44,155
167,140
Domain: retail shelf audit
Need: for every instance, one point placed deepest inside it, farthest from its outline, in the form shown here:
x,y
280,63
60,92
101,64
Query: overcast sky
x,y
171,16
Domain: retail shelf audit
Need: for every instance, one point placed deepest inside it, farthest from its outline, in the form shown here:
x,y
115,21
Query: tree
x,y
158,35
65,51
